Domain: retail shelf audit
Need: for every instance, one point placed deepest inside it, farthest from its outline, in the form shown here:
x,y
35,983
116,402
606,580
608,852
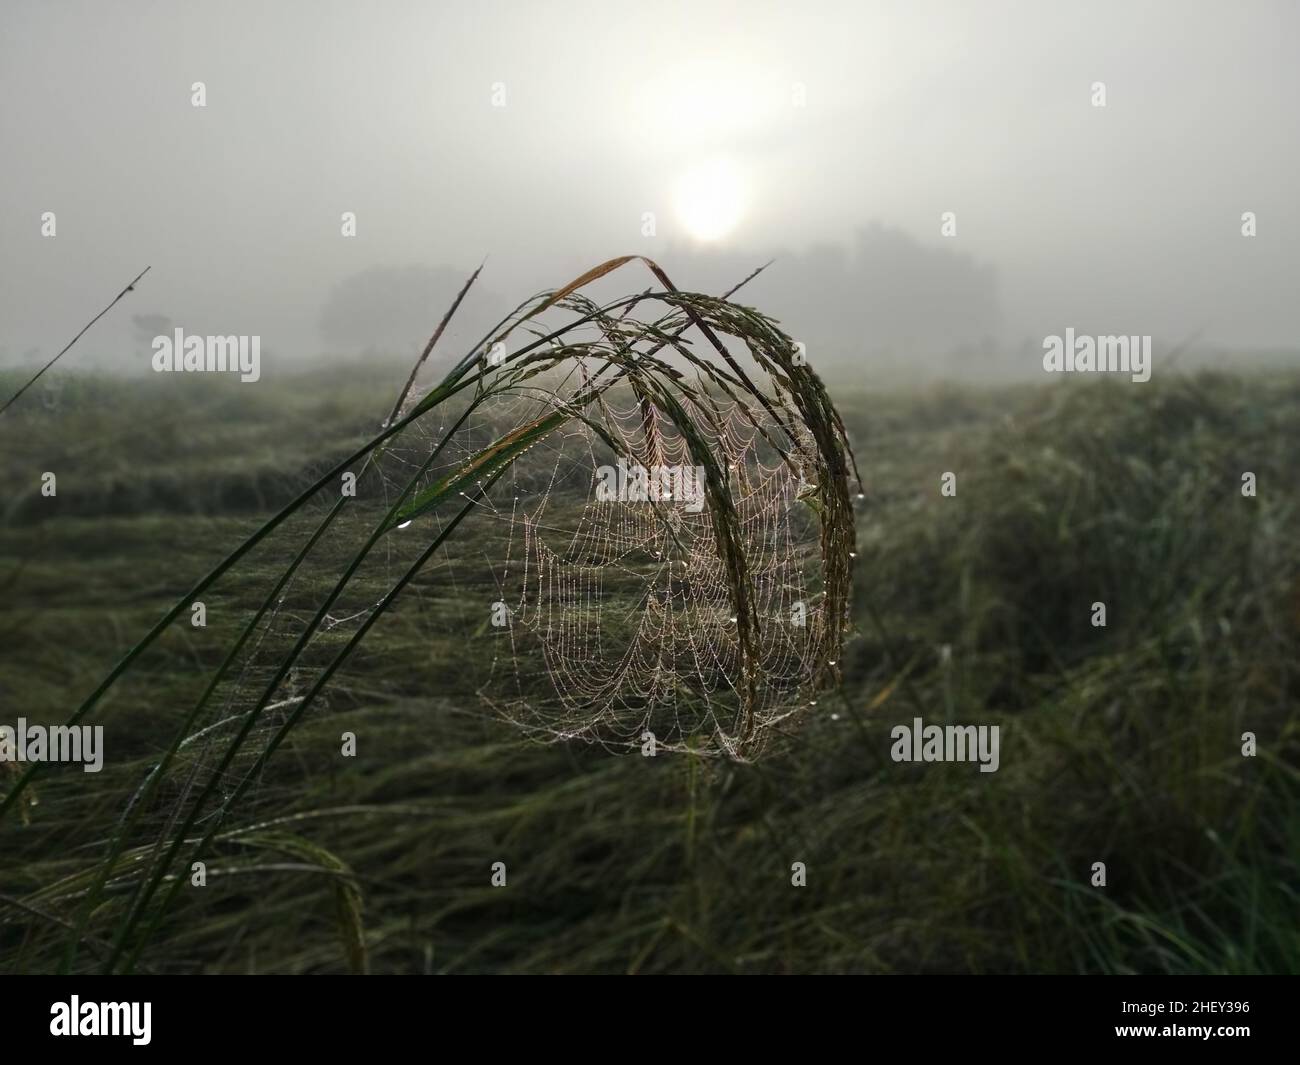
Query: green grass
x,y
1119,744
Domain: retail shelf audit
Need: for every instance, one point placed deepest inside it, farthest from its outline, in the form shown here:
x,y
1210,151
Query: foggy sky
x,y
1122,219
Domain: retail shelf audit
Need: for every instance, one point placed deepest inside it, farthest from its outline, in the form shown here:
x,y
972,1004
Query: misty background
x,y
848,130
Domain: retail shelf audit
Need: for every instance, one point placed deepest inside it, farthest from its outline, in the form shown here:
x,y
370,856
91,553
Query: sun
x,y
710,199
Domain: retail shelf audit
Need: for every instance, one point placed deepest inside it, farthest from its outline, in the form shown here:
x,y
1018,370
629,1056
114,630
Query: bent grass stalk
x,y
143,893
654,380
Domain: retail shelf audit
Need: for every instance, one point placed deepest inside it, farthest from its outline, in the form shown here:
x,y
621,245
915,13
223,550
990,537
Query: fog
x,y
833,138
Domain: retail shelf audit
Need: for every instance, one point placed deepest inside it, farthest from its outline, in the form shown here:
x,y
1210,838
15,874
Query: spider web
x,y
614,619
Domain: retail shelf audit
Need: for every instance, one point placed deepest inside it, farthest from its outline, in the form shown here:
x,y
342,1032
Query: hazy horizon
x,y
831,137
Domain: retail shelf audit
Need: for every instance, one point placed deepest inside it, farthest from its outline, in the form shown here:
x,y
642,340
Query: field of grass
x,y
1120,744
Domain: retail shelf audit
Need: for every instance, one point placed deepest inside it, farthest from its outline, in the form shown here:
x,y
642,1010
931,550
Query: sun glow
x,y
710,199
